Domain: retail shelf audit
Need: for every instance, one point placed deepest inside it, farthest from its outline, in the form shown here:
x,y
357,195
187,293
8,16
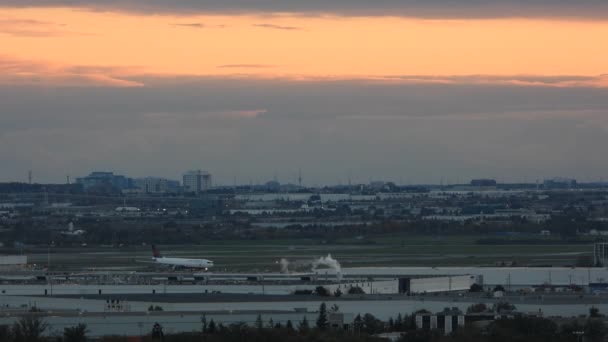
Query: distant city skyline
x,y
293,179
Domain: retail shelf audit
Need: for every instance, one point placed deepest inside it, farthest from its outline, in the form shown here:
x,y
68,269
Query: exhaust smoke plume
x,y
327,261
284,265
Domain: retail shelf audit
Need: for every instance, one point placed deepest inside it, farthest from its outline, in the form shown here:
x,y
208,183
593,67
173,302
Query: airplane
x,y
72,232
180,262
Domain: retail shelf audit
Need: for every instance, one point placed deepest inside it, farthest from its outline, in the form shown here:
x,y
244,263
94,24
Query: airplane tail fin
x,y
155,252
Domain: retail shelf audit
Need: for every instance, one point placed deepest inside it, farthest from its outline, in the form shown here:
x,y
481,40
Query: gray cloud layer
x,y
278,27
32,28
189,25
251,128
413,8
246,66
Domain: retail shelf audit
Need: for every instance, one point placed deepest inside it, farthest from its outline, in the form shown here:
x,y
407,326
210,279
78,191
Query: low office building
x,y
102,178
156,185
196,181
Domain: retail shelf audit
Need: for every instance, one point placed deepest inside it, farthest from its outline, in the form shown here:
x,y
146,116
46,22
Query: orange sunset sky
x,y
51,42
397,90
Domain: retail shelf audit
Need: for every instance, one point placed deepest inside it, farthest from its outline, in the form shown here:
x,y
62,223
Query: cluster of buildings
x,y
501,210
195,181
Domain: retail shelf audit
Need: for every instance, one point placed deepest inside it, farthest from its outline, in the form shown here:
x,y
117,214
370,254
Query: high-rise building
x,y
197,181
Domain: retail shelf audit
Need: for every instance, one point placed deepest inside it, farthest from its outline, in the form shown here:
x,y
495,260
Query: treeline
x,y
31,328
364,328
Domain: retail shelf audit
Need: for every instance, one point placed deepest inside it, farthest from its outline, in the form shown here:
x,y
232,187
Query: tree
x,y
211,329
157,332
355,290
75,334
259,323
204,324
28,329
523,329
503,306
322,291
322,321
409,322
568,329
334,308
417,336
398,325
476,288
289,325
594,312
595,330
477,308
303,327
372,325
337,293
5,333
469,333
358,323
421,312
270,323
499,288
391,324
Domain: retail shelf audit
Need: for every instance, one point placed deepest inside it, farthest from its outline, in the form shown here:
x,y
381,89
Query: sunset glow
x,y
57,40
383,89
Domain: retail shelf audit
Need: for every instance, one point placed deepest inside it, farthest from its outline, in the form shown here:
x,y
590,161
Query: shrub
x,y
354,290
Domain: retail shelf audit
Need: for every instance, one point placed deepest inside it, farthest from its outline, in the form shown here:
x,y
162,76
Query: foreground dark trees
x,y
365,328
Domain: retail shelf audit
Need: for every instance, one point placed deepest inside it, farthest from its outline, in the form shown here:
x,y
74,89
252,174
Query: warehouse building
x,y
8,262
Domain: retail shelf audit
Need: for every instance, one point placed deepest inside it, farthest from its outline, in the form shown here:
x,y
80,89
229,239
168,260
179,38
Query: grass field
x,y
261,256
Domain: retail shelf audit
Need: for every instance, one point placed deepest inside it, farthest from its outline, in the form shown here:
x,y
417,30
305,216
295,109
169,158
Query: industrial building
x,y
445,322
156,185
103,178
10,262
411,285
600,254
263,284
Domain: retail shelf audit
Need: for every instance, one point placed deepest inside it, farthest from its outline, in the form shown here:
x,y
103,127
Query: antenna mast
x,y
300,177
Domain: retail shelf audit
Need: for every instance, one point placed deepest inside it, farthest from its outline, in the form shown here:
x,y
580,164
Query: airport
x,y
238,258
303,171
177,298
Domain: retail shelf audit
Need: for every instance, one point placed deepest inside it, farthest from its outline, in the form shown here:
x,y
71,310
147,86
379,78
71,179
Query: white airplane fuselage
x,y
184,263
78,232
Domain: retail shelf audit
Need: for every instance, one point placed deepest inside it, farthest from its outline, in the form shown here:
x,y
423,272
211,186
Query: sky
x,y
407,91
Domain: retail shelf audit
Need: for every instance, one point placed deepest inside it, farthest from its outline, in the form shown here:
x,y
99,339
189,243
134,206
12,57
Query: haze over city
x,y
411,92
